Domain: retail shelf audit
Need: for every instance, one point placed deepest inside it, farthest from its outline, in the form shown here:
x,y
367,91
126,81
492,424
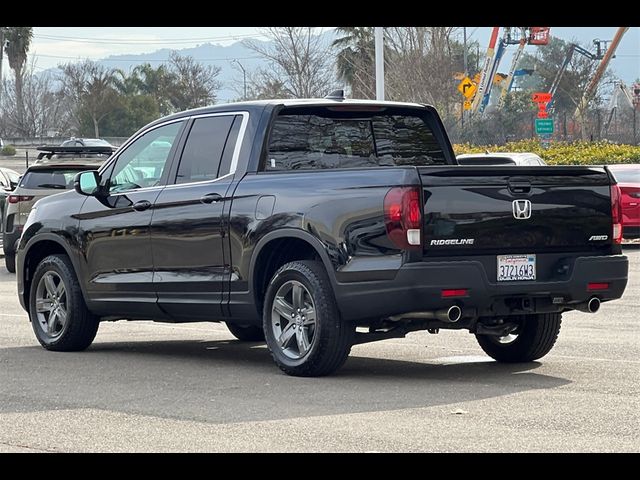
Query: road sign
x,y
467,104
543,114
544,125
467,87
541,97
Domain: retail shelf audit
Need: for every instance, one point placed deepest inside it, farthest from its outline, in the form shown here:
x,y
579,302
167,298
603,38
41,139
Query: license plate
x,y
516,267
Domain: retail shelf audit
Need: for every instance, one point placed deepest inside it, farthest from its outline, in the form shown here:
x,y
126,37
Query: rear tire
x,y
246,333
59,316
304,332
535,338
10,262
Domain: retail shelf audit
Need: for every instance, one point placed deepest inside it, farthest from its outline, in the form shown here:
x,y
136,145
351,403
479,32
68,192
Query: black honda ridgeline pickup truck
x,y
316,225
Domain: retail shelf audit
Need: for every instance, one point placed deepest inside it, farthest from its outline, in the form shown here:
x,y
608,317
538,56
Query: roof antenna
x,y
336,95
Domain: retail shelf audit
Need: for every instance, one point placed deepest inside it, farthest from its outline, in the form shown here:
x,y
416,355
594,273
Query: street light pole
x,y
244,76
379,46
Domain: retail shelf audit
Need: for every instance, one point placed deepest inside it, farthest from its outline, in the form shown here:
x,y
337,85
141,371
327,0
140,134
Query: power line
x,y
80,57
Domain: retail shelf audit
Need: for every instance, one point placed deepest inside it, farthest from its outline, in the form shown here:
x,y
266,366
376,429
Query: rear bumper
x,y
417,287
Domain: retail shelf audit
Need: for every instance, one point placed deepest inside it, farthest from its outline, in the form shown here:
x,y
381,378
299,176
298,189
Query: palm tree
x,y
355,60
18,41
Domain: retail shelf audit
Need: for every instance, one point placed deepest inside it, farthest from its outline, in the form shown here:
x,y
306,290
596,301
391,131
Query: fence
x,y
497,128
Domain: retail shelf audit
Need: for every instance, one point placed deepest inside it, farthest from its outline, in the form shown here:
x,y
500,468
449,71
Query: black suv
x,y
316,225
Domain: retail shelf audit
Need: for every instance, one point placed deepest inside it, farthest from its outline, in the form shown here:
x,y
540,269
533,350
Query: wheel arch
x,y
35,251
267,253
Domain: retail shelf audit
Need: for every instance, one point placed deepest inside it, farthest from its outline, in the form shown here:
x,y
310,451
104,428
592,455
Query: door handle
x,y
211,198
142,205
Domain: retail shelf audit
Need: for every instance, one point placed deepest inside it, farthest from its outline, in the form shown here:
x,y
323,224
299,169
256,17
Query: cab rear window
x,y
329,139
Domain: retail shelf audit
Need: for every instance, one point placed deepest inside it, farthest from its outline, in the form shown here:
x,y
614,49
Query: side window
x,y
203,151
144,161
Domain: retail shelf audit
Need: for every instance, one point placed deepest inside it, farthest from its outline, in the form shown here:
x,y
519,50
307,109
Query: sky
x,y
54,45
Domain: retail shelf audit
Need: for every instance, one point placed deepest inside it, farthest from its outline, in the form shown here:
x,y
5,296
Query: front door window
x,y
143,163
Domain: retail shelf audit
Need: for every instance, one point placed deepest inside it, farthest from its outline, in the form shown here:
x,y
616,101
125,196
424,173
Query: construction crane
x,y
535,36
591,87
573,47
487,72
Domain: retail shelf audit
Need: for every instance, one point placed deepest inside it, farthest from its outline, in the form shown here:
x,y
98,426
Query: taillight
x,y
403,217
616,213
19,198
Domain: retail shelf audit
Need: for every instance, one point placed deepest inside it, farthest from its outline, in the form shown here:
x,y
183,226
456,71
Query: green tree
x,y
18,41
129,115
155,82
355,60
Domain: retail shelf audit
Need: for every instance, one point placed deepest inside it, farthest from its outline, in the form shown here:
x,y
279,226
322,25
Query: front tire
x,y
302,325
10,262
59,316
246,333
535,337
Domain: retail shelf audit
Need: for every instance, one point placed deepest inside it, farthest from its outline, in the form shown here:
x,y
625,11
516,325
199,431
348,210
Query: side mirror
x,y
87,183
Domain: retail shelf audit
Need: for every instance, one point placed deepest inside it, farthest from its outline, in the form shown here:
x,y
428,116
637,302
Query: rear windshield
x,y
485,161
327,139
626,175
60,179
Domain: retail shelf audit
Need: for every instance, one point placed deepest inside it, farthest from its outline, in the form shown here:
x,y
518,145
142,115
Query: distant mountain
x,y
230,76
207,54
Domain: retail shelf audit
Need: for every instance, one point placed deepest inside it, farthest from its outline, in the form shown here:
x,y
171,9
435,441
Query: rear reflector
x,y
454,292
597,286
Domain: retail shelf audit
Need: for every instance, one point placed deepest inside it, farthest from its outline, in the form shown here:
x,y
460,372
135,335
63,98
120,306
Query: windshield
x,y
59,179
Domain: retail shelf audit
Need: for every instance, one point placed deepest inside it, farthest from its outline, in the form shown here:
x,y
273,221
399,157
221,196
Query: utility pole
x,y
244,77
379,46
466,67
464,41
1,57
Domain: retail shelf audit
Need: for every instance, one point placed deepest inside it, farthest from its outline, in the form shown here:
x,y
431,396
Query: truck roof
x,y
256,105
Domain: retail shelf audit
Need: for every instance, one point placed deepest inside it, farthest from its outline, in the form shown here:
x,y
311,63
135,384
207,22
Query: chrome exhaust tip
x,y
593,305
590,306
451,315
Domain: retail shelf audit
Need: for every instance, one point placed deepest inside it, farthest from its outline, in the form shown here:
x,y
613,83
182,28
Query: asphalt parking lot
x,y
161,387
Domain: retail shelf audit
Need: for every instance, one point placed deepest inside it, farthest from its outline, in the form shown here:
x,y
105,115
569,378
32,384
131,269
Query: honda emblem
x,y
521,209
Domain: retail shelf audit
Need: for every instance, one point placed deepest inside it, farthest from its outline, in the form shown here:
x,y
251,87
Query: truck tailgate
x,y
495,209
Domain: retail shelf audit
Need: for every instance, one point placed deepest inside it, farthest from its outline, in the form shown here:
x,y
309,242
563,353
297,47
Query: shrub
x,y
8,150
564,153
